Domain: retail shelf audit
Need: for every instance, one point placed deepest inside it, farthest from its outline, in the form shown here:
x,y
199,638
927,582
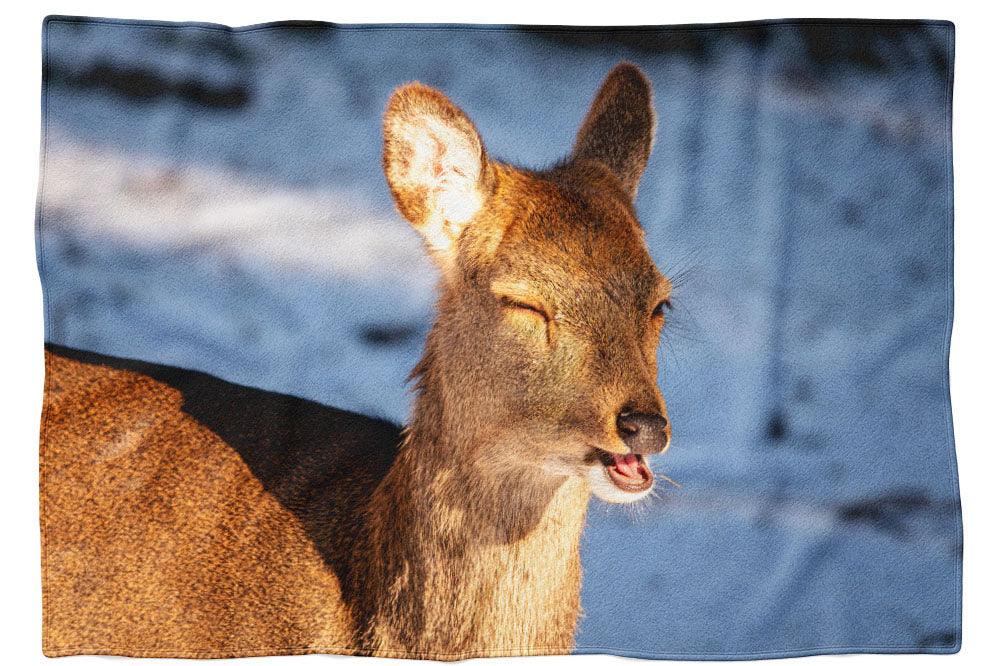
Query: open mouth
x,y
629,472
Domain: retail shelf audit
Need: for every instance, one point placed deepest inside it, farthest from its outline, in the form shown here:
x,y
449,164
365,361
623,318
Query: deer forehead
x,y
569,259
579,290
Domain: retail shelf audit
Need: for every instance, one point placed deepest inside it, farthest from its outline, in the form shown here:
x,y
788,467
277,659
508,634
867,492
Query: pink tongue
x,y
627,465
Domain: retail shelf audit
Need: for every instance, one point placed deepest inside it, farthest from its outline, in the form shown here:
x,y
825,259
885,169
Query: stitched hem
x,y
617,29
950,648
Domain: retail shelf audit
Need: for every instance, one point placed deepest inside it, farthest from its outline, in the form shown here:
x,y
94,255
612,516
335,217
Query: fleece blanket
x,y
448,341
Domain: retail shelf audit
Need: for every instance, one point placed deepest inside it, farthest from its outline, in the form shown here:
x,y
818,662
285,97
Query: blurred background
x,y
214,199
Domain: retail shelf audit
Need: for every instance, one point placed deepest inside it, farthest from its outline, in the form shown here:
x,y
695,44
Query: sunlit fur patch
x,y
604,488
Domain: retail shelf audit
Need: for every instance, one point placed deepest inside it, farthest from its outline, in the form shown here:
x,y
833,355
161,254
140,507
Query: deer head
x,y
542,361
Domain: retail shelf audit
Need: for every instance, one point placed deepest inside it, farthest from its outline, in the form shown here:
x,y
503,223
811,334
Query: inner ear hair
x,y
435,164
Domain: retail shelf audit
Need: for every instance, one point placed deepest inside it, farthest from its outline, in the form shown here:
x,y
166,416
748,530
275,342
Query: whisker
x,y
685,266
669,480
675,331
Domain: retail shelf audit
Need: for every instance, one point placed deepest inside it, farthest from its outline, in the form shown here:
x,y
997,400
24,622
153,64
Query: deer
x,y
187,516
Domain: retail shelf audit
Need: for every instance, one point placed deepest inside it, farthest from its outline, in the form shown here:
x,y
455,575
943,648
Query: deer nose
x,y
643,433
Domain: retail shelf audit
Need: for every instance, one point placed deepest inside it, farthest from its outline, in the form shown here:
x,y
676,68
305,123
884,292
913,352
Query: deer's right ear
x,y
435,164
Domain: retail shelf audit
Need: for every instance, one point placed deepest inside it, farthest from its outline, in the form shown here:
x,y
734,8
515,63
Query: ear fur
x,y
435,164
618,130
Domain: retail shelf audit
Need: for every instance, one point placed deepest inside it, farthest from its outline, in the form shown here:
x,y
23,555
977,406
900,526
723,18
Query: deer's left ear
x,y
435,164
618,130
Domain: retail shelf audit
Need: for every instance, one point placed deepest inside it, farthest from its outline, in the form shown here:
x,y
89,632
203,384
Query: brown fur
x,y
185,516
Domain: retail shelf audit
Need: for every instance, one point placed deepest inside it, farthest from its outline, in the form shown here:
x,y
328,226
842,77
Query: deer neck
x,y
463,555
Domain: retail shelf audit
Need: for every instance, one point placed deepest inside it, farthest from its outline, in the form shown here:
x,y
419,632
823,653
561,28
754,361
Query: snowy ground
x,y
215,200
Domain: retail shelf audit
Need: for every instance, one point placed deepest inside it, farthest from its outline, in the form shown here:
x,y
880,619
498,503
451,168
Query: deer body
x,y
187,516
177,529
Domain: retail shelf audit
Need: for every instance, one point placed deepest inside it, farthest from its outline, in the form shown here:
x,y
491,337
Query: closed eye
x,y
661,308
515,304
